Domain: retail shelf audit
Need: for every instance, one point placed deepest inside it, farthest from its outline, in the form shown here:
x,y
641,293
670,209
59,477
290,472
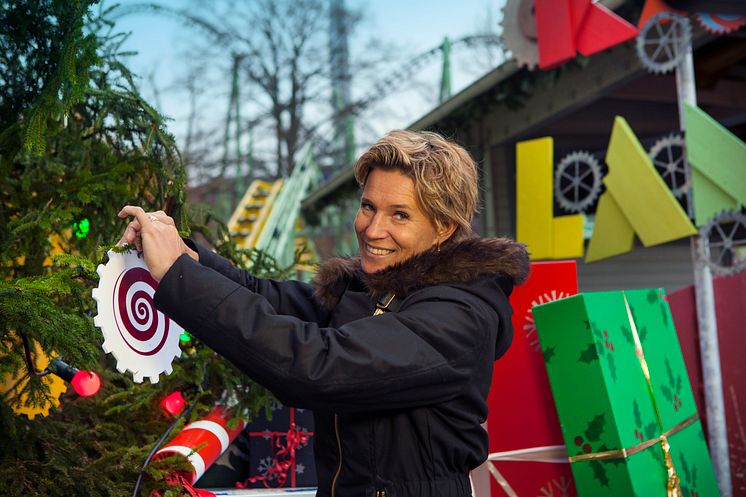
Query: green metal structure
x,y
267,217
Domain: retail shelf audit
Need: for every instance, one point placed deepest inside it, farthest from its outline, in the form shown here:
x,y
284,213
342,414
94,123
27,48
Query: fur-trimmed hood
x,y
459,261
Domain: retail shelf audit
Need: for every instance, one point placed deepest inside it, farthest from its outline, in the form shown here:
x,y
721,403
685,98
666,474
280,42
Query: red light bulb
x,y
86,383
173,403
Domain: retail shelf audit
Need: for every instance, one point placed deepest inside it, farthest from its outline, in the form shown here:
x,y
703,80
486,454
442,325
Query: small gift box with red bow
x,y
281,449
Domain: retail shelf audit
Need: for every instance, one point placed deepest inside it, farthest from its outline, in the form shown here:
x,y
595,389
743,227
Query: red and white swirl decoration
x,y
142,339
141,325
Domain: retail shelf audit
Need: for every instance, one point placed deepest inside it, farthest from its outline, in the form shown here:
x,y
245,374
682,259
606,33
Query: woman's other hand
x,y
154,234
132,231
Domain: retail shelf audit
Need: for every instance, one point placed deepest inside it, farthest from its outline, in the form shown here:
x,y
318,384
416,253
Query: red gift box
x,y
730,311
525,439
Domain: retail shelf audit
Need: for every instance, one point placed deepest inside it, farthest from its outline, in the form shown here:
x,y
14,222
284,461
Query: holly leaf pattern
x,y
612,365
596,330
669,372
599,473
664,313
667,393
549,354
657,454
595,427
589,354
627,334
686,470
652,430
636,412
601,351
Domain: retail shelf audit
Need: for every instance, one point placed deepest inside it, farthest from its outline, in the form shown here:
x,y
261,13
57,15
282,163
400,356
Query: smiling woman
x,y
392,350
390,225
419,190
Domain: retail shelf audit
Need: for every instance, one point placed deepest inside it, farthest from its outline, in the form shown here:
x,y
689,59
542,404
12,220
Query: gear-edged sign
x,y
667,155
578,181
142,339
720,23
663,42
519,32
725,250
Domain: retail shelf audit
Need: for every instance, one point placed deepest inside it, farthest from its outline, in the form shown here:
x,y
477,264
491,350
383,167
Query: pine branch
x,y
78,141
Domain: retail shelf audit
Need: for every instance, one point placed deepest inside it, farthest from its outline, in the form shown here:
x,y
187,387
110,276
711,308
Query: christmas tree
x,y
77,142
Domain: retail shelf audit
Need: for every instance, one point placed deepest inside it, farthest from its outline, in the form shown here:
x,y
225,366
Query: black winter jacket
x,y
398,398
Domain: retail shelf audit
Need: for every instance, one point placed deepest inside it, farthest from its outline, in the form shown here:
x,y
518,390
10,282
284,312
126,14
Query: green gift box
x,y
615,418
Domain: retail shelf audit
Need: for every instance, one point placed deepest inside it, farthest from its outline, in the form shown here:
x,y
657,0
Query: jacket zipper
x,y
379,493
381,307
339,447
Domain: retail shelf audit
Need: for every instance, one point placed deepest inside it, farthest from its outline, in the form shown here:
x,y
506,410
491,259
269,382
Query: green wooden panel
x,y
719,158
708,198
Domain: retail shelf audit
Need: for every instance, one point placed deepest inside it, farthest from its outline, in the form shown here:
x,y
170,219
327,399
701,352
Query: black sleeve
x,y
294,298
424,353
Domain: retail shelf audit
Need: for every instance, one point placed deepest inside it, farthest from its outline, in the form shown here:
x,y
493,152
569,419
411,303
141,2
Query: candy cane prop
x,y
202,442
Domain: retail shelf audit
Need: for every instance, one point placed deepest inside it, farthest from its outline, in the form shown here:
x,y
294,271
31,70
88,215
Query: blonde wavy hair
x,y
444,175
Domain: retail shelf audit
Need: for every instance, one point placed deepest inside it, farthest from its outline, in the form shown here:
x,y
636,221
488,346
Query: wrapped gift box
x,y
522,424
281,449
596,348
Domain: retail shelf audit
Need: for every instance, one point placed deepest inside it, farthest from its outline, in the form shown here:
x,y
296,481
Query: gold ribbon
x,y
500,479
674,484
549,454
630,451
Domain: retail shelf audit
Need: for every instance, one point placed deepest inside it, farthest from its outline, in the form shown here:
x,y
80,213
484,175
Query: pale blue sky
x,y
416,24
412,27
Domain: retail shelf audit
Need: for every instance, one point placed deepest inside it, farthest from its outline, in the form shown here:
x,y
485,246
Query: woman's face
x,y
390,225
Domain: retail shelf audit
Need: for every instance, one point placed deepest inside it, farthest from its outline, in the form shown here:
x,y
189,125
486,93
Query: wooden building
x,y
576,105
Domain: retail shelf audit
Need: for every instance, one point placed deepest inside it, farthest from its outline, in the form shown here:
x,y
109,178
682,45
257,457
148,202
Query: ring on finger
x,y
152,218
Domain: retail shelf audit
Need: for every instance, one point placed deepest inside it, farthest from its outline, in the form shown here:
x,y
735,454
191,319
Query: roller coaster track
x,y
267,217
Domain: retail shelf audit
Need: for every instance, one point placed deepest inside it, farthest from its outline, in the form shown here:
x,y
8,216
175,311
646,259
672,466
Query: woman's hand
x,y
154,234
